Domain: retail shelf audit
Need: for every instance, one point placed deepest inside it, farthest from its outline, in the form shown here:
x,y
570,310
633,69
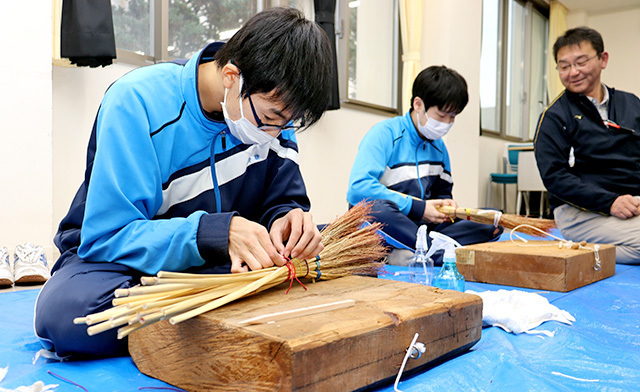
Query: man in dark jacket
x,y
588,150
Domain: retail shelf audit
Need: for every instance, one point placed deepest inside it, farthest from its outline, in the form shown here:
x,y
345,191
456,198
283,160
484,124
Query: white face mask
x,y
433,129
242,128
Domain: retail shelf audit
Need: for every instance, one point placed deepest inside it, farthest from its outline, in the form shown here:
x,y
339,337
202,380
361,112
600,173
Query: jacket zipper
x,y
216,189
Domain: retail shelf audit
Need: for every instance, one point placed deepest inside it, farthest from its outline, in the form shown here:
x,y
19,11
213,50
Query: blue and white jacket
x,y
163,179
393,157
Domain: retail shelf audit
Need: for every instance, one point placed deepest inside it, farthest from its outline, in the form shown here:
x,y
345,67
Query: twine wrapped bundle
x,y
508,221
350,248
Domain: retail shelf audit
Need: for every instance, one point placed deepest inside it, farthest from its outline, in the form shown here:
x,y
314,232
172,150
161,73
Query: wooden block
x,y
338,350
538,265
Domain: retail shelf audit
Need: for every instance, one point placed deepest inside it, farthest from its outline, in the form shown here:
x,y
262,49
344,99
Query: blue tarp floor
x,y
600,351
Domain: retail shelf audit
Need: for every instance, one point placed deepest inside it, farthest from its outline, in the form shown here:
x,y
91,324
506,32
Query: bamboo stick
x,y
150,297
307,310
507,221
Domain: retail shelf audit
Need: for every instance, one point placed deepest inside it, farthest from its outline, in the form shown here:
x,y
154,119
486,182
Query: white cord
x,y
414,349
514,233
562,243
496,218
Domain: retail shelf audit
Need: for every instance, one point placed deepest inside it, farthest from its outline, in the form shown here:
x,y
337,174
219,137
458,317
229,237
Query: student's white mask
x,y
433,129
243,129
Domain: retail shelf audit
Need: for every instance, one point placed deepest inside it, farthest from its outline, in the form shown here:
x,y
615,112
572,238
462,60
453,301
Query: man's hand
x,y
625,206
250,247
299,232
432,215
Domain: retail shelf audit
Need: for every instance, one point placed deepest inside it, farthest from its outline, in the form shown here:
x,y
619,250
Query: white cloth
x,y
38,386
519,312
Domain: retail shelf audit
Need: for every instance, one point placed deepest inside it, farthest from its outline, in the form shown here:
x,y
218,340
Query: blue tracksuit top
x,y
393,157
163,179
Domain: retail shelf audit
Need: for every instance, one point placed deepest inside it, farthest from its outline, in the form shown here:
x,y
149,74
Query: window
x,y
155,30
148,31
368,52
512,68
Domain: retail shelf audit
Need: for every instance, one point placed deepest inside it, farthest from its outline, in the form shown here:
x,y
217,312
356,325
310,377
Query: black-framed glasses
x,y
266,127
580,64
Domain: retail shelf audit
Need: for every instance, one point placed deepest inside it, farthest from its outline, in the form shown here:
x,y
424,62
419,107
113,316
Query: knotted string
x,y
292,275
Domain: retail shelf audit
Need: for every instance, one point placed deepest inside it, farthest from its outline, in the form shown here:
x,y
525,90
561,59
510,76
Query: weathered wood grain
x,y
339,350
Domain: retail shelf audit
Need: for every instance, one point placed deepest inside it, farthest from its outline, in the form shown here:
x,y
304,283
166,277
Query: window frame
x,y
342,49
530,7
159,16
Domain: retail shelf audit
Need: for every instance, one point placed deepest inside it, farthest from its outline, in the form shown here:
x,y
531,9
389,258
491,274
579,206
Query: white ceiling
x,y
598,6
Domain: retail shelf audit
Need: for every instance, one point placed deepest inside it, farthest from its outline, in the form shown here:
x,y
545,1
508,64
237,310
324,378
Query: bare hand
x,y
300,233
432,215
250,247
625,206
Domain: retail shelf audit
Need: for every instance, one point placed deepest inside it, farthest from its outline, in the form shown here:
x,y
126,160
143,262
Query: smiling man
x,y
588,150
192,166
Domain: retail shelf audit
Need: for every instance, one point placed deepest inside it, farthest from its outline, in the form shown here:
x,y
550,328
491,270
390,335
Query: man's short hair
x,y
441,87
577,36
280,51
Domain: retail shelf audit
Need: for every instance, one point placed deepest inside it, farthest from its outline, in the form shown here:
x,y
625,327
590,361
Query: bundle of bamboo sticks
x,y
508,221
351,247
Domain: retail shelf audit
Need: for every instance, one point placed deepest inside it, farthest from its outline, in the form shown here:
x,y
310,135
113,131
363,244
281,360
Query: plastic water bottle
x,y
449,278
420,265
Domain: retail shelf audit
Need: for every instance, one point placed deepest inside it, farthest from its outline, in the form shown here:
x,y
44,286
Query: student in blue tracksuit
x,y
403,164
191,166
588,150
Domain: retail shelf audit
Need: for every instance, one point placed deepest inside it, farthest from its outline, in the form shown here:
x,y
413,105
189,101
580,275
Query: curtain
x,y
325,17
411,32
86,33
57,16
557,27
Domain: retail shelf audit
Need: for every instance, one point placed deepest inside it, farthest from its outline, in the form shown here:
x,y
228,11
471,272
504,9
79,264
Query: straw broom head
x,y
352,246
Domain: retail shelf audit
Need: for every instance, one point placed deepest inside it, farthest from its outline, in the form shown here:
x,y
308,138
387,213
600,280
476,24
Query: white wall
x,y
452,38
327,151
25,125
77,93
620,31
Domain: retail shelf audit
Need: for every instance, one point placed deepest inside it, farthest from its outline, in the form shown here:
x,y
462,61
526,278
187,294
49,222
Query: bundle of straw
x,y
508,221
350,248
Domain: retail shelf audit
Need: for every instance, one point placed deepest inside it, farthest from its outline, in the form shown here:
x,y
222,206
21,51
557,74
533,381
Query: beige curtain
x,y
557,27
411,31
57,21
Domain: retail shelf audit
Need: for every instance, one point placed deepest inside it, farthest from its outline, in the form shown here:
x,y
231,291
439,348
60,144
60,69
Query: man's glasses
x,y
564,68
270,127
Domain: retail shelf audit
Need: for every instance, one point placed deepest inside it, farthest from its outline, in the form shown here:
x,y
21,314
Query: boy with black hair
x,y
587,148
403,164
192,166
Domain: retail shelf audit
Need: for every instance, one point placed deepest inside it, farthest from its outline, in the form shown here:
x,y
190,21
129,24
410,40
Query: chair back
x,y
528,175
511,153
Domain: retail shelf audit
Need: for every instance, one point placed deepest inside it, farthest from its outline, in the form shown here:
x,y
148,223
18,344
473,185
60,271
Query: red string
x,y
292,275
67,380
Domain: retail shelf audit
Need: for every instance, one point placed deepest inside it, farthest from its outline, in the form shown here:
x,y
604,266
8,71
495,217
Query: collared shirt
x,y
603,107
